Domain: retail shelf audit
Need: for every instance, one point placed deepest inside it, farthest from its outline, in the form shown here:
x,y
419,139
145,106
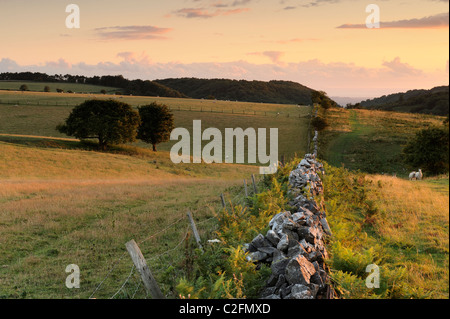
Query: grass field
x,y
371,141
400,225
62,202
62,207
39,87
29,118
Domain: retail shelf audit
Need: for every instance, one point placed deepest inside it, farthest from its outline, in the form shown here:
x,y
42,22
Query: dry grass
x,y
413,220
411,208
47,225
60,207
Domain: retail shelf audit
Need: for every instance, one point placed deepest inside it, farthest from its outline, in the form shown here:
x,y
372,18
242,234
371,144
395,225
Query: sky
x,y
323,44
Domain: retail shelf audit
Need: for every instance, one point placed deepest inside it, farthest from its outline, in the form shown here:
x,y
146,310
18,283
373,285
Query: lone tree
x,y
23,87
428,150
319,123
111,122
47,88
156,124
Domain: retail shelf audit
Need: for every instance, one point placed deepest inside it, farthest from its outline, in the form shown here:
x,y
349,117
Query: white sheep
x,y
419,175
416,175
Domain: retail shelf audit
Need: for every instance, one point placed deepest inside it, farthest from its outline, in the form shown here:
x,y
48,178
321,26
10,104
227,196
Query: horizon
x,y
324,45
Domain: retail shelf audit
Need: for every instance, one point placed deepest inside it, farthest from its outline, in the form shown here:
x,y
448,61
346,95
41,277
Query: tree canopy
x,y
156,124
429,150
111,122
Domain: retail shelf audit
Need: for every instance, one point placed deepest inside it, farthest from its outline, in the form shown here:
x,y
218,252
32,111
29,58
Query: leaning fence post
x,y
223,201
194,229
254,184
245,188
141,265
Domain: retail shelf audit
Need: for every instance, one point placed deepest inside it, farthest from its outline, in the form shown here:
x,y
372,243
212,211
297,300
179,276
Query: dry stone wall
x,y
294,246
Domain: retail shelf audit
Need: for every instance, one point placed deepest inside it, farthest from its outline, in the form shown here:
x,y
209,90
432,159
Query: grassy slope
x,y
30,119
39,87
371,140
64,206
62,203
400,225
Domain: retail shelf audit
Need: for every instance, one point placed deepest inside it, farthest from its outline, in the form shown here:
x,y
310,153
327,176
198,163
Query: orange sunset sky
x,y
323,44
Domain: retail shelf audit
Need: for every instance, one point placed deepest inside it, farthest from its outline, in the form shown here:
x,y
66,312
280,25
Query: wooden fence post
x,y
245,188
194,229
254,184
139,261
223,201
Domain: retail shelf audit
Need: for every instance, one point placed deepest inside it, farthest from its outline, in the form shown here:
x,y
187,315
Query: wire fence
x,y
131,286
122,280
201,109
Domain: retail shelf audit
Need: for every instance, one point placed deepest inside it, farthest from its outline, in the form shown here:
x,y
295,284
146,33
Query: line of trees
x,y
134,87
114,122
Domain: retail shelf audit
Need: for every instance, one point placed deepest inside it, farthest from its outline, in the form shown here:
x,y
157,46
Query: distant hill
x,y
283,92
344,100
434,101
278,92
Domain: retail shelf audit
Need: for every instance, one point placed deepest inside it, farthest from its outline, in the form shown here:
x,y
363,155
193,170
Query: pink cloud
x,y
430,22
136,32
205,13
337,79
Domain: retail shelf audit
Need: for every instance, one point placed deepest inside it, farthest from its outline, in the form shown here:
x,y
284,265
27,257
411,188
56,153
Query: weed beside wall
x,y
371,229
222,270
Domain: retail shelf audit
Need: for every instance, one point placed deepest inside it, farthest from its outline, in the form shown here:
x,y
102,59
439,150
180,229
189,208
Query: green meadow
x,y
39,87
62,202
377,215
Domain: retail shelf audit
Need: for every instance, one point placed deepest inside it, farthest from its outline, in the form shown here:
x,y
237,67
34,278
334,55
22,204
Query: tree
x,y
156,124
428,150
319,123
103,91
46,88
326,103
23,87
109,121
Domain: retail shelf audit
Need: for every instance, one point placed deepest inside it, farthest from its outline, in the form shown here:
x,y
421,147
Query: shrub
x,y
319,123
429,150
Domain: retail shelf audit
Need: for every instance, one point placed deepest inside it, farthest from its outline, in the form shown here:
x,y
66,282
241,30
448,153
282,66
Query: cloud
x,y
337,79
212,8
206,13
316,3
434,21
274,56
136,32
397,67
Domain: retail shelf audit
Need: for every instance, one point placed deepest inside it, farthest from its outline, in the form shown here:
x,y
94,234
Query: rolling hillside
x,y
279,92
434,101
247,91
